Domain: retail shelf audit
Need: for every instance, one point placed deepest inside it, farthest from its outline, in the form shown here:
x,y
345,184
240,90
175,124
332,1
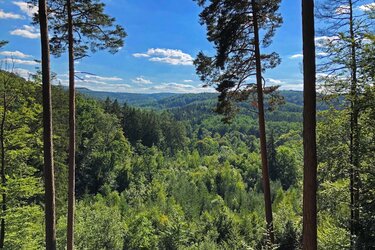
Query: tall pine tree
x,y
309,128
234,27
49,178
82,27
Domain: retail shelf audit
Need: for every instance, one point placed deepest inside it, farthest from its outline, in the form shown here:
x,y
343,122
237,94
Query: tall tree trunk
x,y
3,177
262,128
49,178
354,135
72,132
309,127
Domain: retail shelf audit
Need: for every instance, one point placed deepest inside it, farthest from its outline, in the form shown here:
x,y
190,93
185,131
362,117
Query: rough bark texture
x,y
49,180
262,129
72,132
309,127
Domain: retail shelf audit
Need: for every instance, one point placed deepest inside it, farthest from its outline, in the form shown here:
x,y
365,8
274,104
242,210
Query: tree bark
x,y
3,177
354,136
309,128
262,129
72,132
50,217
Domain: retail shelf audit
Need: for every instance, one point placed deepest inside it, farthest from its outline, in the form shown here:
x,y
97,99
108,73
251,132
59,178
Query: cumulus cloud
x,y
187,81
28,9
169,56
367,7
16,53
141,80
27,31
9,15
12,61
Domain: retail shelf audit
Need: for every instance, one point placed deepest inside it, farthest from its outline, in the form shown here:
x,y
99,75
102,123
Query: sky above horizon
x,y
164,36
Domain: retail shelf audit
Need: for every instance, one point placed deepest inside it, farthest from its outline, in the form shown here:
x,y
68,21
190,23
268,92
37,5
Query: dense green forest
x,y
245,166
176,177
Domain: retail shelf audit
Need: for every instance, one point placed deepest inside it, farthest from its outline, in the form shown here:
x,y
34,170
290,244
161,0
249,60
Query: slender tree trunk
x,y
354,135
3,177
72,132
309,128
262,129
49,178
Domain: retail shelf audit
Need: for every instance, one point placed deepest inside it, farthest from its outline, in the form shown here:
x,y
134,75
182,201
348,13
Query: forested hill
x,y
174,100
130,98
169,179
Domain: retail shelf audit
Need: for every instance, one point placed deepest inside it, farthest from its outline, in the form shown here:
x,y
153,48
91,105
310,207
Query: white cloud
x,y
295,56
8,15
141,80
275,81
139,55
24,73
14,54
291,86
343,9
323,41
178,88
367,7
96,83
188,81
169,56
286,84
104,84
27,32
29,9
12,61
101,78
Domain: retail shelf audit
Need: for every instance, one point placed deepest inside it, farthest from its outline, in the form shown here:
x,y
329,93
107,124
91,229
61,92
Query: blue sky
x,y
163,38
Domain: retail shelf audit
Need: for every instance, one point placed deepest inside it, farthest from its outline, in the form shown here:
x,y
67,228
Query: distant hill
x,y
130,98
173,100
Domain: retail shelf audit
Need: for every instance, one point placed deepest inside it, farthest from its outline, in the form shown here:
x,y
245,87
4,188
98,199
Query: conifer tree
x,y
309,128
47,132
341,46
234,28
80,26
